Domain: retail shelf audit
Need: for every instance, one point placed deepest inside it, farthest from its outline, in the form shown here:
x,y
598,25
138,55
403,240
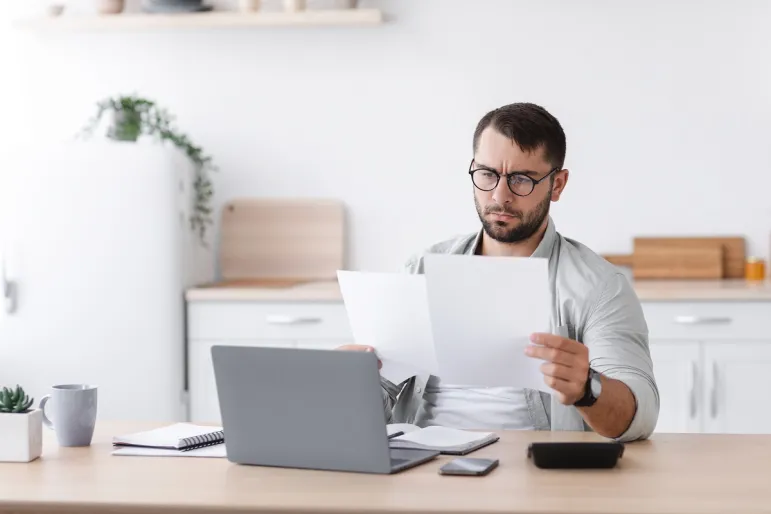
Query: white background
x,y
665,104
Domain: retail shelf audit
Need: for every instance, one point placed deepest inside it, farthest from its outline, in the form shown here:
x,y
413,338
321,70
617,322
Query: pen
x,y
396,434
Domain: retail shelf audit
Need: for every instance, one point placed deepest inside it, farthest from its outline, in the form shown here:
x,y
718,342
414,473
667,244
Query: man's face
x,y
506,217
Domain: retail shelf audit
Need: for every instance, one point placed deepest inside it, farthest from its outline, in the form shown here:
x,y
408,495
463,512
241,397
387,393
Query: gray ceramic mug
x,y
74,413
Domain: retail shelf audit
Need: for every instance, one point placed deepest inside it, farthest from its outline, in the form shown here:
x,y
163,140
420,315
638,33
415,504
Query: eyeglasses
x,y
487,179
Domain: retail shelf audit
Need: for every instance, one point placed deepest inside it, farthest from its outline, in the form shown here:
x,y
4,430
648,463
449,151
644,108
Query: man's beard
x,y
529,223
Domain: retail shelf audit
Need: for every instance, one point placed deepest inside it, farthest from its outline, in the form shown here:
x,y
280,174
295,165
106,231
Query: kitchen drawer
x,y
708,320
268,320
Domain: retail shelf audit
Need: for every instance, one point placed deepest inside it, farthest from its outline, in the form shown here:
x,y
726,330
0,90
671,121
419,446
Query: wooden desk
x,y
670,473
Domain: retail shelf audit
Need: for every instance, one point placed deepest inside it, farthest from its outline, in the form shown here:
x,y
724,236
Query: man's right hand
x,y
359,348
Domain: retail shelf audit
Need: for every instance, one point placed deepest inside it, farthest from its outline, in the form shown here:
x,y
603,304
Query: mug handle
x,y
43,401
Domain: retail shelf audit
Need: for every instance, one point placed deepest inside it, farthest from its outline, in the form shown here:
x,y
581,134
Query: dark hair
x,y
530,126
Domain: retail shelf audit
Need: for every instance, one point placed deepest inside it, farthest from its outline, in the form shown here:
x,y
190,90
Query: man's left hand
x,y
567,365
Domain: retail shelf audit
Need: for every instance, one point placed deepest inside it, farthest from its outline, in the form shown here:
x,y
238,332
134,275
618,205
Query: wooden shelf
x,y
204,20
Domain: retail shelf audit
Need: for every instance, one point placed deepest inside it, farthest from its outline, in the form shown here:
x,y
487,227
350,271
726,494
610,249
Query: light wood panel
x,y
676,474
733,249
282,240
703,261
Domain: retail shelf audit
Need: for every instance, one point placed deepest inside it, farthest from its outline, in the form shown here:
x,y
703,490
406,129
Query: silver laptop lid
x,y
302,408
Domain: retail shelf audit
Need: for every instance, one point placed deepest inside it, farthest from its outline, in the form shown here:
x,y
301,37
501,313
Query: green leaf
x,y
137,116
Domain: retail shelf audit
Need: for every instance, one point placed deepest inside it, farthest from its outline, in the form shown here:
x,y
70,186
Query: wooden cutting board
x,y
733,254
281,240
666,262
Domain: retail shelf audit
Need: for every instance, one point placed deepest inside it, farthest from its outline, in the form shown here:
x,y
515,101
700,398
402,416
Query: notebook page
x,y
443,437
165,437
392,428
218,451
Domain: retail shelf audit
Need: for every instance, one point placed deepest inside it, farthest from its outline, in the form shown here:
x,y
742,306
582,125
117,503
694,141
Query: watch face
x,y
596,385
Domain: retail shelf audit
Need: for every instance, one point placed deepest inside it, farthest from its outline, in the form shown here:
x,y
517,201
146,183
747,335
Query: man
x,y
596,359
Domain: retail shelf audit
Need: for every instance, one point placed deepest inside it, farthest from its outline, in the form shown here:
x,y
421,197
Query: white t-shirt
x,y
486,408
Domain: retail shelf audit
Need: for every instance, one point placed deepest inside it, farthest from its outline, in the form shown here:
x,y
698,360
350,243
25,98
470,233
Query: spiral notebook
x,y
182,437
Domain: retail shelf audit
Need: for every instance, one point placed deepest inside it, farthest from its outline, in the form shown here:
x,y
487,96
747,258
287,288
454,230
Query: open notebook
x,y
178,439
449,441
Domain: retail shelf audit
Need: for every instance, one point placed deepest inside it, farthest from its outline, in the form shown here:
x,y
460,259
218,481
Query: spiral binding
x,y
201,441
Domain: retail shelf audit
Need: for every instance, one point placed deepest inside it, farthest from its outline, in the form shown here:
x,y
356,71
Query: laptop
x,y
306,408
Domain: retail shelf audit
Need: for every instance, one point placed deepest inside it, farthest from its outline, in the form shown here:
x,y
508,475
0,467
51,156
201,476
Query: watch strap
x,y
588,399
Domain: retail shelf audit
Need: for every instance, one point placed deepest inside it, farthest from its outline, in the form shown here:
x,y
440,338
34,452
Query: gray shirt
x,y
592,302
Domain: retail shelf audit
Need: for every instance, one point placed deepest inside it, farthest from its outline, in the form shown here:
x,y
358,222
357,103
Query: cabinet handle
x,y
3,280
713,394
7,289
702,320
693,398
292,320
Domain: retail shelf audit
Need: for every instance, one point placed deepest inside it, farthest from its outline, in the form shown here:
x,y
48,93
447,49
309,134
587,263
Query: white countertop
x,y
663,290
648,290
245,291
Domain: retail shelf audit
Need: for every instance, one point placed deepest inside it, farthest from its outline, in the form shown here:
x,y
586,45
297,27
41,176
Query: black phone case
x,y
575,455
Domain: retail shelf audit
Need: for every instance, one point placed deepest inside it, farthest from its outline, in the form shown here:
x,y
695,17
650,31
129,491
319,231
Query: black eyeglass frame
x,y
533,182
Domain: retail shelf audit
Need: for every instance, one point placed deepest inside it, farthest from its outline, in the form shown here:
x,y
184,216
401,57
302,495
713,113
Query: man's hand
x,y
567,365
359,348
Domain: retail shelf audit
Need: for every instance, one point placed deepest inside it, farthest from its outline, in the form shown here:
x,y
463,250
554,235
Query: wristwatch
x,y
592,390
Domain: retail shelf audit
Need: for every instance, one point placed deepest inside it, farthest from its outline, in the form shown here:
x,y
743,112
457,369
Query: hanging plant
x,y
134,117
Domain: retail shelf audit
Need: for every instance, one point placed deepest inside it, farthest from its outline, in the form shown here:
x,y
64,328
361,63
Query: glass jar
x,y
755,269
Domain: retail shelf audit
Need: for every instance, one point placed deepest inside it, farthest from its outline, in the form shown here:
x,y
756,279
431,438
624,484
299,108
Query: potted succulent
x,y
21,426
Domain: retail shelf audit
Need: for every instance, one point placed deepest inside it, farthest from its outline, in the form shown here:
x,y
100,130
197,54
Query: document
x,y
483,310
389,312
467,320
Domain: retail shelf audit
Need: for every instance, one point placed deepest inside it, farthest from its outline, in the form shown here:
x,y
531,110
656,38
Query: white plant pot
x,y
249,5
294,5
110,6
22,436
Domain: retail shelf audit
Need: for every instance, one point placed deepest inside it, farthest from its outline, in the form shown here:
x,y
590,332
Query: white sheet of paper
x,y
389,311
483,310
216,451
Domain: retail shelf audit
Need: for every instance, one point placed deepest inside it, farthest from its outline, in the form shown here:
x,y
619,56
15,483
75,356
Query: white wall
x,y
666,106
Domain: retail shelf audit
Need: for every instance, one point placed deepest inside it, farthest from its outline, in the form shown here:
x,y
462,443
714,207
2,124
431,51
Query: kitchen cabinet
x,y
676,366
259,320
202,389
709,358
736,381
322,344
284,324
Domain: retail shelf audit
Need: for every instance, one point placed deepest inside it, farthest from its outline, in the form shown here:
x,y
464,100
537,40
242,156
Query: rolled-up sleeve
x,y
616,335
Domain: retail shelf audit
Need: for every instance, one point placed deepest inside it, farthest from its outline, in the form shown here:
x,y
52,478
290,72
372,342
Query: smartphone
x,y
469,466
575,455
